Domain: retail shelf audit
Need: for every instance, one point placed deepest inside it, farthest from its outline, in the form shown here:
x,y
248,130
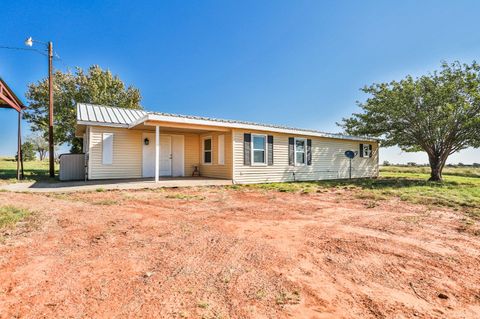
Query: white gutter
x,y
90,123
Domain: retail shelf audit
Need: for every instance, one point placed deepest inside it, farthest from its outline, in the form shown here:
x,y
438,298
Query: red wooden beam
x,y
9,98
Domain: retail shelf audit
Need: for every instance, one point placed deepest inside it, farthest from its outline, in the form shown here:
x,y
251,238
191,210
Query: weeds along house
x,y
124,143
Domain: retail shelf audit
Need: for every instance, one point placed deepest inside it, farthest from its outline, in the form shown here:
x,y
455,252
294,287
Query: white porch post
x,y
157,152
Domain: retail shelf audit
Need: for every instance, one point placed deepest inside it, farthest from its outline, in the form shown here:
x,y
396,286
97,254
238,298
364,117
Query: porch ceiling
x,y
178,127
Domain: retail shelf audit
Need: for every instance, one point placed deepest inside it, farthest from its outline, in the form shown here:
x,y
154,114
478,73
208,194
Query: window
x,y
366,150
221,149
207,150
259,143
107,148
300,151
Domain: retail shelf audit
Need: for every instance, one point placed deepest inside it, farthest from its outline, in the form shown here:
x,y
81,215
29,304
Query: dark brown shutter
x,y
370,150
361,150
291,151
309,152
247,146
270,149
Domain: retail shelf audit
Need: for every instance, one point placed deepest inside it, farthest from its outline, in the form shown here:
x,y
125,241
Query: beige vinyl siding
x,y
328,161
215,170
127,153
192,153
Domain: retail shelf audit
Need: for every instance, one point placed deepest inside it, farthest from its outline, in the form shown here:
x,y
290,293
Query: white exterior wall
x,y
127,154
328,161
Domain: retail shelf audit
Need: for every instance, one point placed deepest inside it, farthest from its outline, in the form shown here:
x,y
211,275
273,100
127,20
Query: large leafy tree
x,y
95,86
438,113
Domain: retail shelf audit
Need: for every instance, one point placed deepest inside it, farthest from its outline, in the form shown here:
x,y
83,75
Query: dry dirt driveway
x,y
225,253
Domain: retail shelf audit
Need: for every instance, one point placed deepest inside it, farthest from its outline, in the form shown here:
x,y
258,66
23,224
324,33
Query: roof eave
x,y
256,127
139,121
89,123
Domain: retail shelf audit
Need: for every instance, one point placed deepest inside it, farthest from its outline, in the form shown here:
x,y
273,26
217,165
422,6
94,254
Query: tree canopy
x,y
28,152
438,113
40,144
95,86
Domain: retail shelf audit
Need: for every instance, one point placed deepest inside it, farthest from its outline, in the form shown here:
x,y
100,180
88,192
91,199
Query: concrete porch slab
x,y
82,186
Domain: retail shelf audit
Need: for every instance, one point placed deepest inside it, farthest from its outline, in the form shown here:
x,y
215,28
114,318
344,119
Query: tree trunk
x,y
437,162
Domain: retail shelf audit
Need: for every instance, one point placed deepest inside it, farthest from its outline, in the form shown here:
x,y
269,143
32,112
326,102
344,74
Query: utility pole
x,y
50,111
29,43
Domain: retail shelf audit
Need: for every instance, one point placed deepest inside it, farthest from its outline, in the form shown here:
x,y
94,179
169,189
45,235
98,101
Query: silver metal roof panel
x,y
121,117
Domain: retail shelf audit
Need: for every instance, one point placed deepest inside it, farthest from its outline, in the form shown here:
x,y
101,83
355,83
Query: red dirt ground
x,y
224,253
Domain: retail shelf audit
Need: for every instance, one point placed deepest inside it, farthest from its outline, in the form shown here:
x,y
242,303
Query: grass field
x,y
460,189
33,170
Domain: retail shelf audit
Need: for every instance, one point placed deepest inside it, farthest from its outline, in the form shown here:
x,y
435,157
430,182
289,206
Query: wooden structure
x,y
8,99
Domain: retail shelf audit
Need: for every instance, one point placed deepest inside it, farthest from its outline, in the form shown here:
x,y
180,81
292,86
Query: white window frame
x,y
203,150
221,149
366,150
107,149
304,151
265,158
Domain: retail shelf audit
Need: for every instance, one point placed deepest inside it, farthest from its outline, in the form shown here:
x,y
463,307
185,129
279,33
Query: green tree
x,y
40,144
438,113
28,152
95,86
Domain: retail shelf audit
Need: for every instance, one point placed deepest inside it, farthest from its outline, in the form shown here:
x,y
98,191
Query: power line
x,y
28,49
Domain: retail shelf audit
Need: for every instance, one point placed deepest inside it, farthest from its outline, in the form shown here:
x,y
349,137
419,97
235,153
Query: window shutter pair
x,y
291,151
247,149
369,150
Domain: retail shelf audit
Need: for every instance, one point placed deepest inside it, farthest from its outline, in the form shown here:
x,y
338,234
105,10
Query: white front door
x,y
178,155
165,156
149,155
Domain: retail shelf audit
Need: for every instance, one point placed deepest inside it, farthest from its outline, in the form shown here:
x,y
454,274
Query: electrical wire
x,y
55,55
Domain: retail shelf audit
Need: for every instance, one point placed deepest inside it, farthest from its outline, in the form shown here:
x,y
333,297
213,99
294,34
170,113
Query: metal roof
x,y
107,114
89,114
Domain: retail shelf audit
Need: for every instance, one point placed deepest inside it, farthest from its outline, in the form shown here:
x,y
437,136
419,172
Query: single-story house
x,y
126,143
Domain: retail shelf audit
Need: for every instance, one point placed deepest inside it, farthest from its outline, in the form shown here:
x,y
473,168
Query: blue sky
x,y
297,63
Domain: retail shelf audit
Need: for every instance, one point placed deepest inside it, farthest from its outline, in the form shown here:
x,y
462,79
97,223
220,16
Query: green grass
x,y
10,215
33,170
185,196
448,170
202,304
460,189
106,202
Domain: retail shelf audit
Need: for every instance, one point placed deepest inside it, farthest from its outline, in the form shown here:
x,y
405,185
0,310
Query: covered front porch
x,y
184,150
121,143
120,184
